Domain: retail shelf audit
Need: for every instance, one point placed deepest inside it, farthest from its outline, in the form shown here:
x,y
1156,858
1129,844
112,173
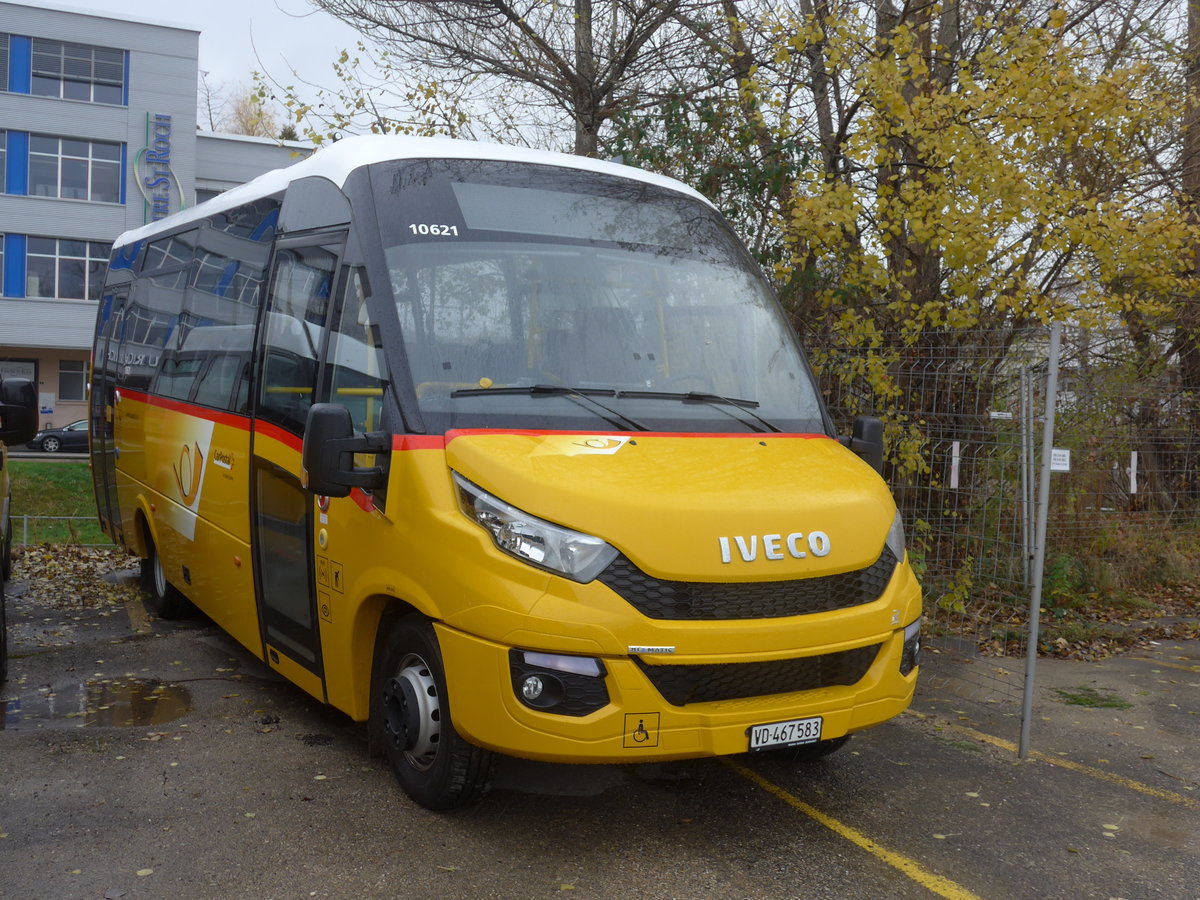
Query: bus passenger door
x,y
293,332
102,408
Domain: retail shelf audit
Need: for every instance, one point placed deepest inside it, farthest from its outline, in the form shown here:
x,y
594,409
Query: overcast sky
x,y
238,37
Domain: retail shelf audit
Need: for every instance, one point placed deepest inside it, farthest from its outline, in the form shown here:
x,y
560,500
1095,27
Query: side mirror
x,y
867,441
18,411
330,443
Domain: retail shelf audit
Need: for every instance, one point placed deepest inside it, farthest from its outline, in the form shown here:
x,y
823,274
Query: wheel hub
x,y
412,712
160,577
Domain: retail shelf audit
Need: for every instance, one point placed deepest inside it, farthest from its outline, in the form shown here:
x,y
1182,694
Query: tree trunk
x,y
587,123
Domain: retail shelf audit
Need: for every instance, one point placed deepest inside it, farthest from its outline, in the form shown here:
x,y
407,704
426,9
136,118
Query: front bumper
x,y
639,724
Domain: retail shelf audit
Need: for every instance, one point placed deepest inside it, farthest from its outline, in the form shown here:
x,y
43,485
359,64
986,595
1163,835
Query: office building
x,y
98,134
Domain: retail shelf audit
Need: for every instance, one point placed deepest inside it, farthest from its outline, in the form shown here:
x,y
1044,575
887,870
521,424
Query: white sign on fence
x,y
1060,460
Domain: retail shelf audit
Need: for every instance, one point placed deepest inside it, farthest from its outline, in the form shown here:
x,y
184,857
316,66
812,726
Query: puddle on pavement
x,y
119,701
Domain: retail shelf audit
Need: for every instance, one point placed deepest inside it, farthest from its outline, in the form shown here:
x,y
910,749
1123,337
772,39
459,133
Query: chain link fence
x,y
964,414
81,530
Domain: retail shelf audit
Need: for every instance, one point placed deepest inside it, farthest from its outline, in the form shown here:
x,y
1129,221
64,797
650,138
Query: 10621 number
x,y
434,230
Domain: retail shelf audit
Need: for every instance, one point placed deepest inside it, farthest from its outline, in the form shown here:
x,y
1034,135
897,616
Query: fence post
x,y
1027,475
1039,554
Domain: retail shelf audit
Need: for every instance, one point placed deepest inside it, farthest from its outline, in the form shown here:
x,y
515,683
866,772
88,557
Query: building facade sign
x,y
156,180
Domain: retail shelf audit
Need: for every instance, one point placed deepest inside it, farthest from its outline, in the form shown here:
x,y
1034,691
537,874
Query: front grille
x,y
681,685
659,599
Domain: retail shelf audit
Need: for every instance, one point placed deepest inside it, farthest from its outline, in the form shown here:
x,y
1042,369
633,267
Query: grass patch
x,y
1093,699
966,746
54,489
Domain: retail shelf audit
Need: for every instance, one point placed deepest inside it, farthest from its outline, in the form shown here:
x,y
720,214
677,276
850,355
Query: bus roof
x,y
336,161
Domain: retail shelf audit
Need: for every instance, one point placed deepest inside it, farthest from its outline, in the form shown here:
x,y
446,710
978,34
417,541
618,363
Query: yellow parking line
x,y
1099,774
943,887
1166,665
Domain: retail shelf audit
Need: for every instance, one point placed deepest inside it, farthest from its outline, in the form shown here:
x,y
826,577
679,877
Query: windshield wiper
x,y
746,406
612,416
533,390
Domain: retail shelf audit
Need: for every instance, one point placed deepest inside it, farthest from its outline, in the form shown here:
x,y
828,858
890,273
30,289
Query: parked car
x,y
69,437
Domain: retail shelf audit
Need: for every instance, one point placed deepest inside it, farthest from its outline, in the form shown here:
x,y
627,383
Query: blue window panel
x,y
125,257
263,230
14,265
124,102
231,268
17,166
124,150
20,63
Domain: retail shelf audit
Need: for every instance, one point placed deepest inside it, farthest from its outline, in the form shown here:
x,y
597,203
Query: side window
x,y
152,326
357,371
221,307
297,306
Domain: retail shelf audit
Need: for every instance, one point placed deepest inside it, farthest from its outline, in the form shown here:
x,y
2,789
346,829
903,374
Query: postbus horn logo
x,y
187,473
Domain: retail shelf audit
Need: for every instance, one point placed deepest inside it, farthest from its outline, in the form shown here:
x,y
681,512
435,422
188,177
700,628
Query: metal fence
x,y
964,414
81,530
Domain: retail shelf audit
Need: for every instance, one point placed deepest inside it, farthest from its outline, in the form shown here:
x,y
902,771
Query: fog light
x,y
532,688
554,683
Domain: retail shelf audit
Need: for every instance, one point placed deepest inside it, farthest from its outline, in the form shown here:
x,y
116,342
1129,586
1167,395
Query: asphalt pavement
x,y
146,759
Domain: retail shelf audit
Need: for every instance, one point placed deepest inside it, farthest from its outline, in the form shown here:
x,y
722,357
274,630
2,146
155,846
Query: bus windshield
x,y
588,301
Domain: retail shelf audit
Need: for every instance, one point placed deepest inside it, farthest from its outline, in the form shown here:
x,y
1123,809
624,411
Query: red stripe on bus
x,y
756,435
439,441
418,442
266,429
201,412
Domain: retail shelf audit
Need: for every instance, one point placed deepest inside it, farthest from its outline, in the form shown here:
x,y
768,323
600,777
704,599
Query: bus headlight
x,y
579,557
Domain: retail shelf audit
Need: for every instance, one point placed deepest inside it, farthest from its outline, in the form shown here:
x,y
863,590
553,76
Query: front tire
x,y
51,444
410,712
161,598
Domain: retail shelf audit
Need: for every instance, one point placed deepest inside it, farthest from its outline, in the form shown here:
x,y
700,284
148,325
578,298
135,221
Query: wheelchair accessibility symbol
x,y
641,730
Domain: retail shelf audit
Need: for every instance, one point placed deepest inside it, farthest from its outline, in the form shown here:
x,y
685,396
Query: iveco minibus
x,y
500,451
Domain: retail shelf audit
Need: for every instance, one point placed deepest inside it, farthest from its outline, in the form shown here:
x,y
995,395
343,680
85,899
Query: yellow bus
x,y
18,424
501,452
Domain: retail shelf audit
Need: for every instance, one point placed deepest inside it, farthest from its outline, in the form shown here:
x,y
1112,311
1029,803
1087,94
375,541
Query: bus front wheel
x,y
162,600
435,766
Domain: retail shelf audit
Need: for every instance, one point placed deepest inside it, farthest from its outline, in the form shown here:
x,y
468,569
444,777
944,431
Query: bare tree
x,y
582,60
249,115
212,102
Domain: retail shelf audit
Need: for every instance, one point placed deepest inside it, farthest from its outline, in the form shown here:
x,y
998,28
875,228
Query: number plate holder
x,y
792,733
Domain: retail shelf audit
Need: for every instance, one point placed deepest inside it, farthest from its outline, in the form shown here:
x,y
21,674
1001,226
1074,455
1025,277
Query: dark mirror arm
x,y
363,477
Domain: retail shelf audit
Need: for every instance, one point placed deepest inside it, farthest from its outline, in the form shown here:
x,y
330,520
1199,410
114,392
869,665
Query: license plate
x,y
792,733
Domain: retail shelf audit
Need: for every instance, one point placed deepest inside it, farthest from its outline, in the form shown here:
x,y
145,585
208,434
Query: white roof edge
x,y
96,14
253,139
336,161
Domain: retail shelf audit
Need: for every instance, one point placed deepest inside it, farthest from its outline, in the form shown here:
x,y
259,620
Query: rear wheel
x,y
410,712
161,599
